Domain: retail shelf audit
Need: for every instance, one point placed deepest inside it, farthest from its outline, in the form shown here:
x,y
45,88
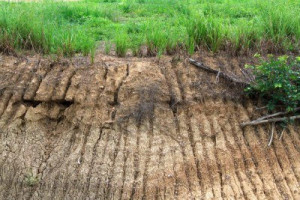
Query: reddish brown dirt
x,y
136,128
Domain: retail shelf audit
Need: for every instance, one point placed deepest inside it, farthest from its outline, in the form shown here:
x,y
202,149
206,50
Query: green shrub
x,y
277,80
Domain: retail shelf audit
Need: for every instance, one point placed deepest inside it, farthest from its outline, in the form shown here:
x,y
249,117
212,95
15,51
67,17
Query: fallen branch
x,y
257,122
261,108
276,114
218,73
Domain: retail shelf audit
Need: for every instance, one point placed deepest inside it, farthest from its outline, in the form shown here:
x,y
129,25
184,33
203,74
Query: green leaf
x,y
278,85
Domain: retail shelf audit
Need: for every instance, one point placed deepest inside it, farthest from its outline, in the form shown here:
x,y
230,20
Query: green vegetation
x,y
31,180
277,80
164,26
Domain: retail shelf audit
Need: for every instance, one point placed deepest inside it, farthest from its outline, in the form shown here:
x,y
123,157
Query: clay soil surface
x,y
136,128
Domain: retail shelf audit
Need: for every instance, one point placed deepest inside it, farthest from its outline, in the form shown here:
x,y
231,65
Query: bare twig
x,y
272,134
247,76
257,122
219,73
217,77
276,114
261,108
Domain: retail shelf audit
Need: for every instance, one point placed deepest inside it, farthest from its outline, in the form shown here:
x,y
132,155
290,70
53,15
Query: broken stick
x,y
257,122
276,114
219,73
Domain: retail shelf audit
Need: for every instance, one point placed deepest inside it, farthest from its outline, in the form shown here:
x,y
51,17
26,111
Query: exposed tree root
x,y
276,114
272,134
218,73
257,122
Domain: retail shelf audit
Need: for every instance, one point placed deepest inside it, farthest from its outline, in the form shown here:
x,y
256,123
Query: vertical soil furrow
x,y
36,81
145,186
125,157
183,80
38,153
97,86
73,85
67,168
109,188
105,164
294,137
251,167
255,147
182,184
292,154
23,83
153,174
10,166
92,158
97,171
235,152
145,145
230,188
209,145
119,85
48,84
10,139
130,168
178,80
172,83
83,87
282,167
98,91
90,135
8,93
114,77
136,163
115,181
182,188
275,165
72,131
75,160
193,133
4,100
188,151
28,159
187,170
12,110
63,84
32,74
200,153
170,182
59,152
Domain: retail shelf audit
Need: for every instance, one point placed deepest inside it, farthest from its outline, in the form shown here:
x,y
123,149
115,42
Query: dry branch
x,y
257,122
276,114
218,73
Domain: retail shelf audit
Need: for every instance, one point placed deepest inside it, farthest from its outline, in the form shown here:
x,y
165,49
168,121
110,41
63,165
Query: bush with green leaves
x,y
277,81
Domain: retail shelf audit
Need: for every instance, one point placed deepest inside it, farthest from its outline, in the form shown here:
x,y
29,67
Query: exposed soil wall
x,y
136,129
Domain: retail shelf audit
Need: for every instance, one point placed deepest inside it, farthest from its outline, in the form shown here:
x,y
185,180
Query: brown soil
x,y
136,128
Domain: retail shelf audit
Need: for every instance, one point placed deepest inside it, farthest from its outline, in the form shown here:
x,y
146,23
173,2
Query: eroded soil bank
x,y
136,128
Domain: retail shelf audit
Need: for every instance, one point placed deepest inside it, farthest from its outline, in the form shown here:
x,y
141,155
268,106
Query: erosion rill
x,y
136,129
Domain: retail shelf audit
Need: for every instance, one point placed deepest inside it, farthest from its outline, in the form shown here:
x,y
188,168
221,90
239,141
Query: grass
x,y
164,26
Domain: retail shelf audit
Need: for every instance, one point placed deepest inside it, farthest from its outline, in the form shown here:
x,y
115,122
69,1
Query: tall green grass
x,y
164,26
39,27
